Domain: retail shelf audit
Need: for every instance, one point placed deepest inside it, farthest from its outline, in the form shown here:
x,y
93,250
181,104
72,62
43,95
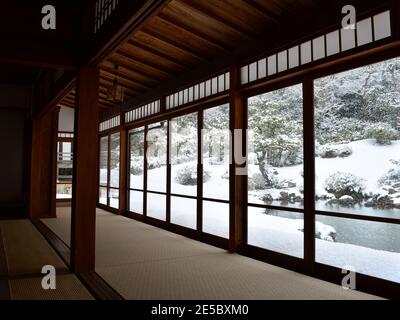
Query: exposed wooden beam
x,y
126,81
131,65
124,73
145,64
105,83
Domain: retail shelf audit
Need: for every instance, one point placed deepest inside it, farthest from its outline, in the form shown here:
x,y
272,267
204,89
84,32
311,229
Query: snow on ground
x,y
369,161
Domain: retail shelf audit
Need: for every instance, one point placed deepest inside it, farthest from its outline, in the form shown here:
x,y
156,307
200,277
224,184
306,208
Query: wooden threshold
x,y
96,285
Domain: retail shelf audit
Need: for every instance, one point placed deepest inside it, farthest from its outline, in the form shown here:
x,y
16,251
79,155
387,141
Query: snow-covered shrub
x,y
383,133
324,232
257,181
225,175
339,130
334,151
136,165
392,177
155,162
187,175
345,184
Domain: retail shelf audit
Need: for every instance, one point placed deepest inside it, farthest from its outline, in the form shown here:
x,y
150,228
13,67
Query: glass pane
x,y
276,230
366,247
275,164
64,164
136,202
216,153
64,191
214,85
104,161
184,212
114,198
253,71
103,196
136,141
282,61
294,57
348,39
156,205
184,155
358,141
319,48
262,68
157,157
114,161
305,49
382,27
244,77
364,32
221,83
332,43
216,218
271,65
208,88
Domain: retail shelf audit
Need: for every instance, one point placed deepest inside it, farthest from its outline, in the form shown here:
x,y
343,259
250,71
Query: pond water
x,y
380,236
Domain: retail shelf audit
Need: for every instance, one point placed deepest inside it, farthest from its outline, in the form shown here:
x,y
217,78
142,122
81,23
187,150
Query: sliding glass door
x,y
275,171
109,173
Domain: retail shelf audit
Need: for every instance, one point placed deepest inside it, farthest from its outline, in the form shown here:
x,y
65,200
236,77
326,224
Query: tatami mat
x,y
144,262
68,287
27,251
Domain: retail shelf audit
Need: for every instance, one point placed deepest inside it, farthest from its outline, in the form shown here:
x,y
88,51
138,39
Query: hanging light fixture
x,y
115,92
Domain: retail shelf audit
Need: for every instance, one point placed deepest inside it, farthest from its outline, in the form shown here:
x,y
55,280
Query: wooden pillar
x,y
309,180
237,232
42,199
85,184
123,167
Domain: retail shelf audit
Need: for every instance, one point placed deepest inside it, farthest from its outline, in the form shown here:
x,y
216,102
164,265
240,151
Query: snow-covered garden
x,y
357,169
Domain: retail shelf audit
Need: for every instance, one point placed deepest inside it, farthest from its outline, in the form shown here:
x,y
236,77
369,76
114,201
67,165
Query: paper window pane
x,y
364,32
382,25
319,48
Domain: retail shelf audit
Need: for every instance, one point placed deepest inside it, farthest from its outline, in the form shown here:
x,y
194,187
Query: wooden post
x,y
42,202
309,178
84,189
237,187
123,167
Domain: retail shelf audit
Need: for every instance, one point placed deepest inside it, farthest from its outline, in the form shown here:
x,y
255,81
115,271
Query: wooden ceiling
x,y
184,34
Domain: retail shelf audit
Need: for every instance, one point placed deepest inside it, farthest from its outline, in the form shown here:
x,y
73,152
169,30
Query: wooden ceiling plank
x,y
176,45
106,74
125,65
129,74
145,65
107,83
158,53
194,7
263,11
196,33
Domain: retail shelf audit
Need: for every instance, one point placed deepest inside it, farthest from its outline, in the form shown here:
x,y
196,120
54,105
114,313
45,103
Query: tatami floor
x,y
24,252
144,262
